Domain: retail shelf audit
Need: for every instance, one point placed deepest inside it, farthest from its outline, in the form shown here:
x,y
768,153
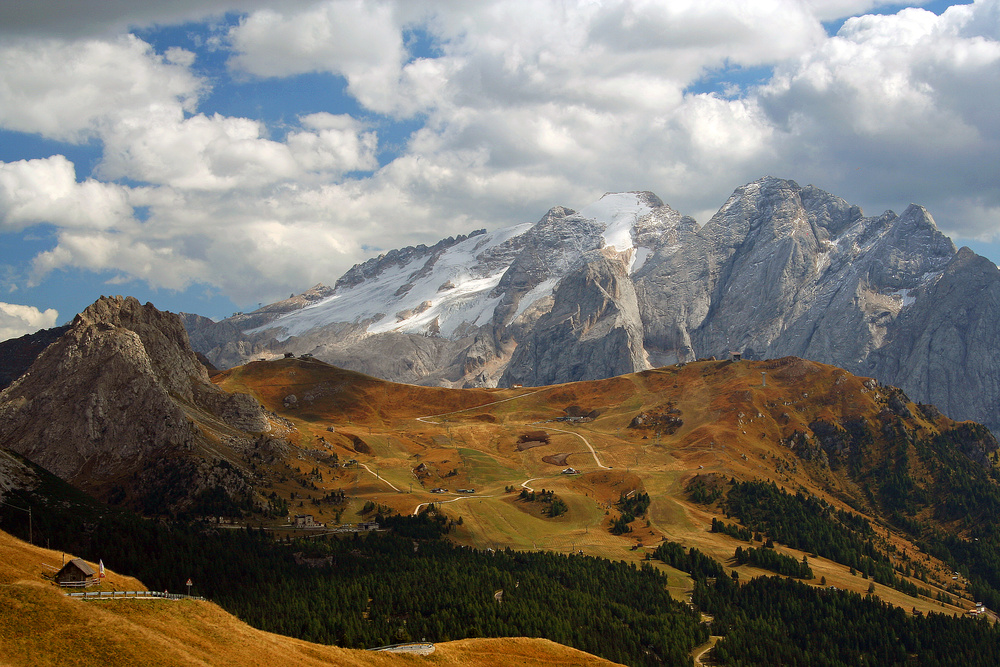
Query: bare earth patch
x,y
529,444
556,459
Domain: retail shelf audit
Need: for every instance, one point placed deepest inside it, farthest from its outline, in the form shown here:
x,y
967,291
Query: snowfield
x,y
449,292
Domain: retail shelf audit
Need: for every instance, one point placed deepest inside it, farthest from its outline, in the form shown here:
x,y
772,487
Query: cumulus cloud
x,y
17,320
518,105
358,40
46,190
72,90
333,143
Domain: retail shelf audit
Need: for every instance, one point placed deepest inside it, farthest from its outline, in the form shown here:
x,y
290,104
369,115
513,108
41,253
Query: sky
x,y
213,155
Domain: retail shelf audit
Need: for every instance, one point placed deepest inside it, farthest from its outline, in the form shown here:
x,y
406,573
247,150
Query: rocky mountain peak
x,y
554,213
119,390
161,336
782,269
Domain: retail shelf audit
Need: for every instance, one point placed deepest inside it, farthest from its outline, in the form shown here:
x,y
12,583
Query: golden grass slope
x,y
737,421
39,625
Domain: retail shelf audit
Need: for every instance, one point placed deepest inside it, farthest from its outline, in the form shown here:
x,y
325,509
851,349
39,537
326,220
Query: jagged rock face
x,y
118,391
944,347
801,273
593,330
780,270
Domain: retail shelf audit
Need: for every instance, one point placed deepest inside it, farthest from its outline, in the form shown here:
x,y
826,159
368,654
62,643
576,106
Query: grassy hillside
x,y
805,426
40,626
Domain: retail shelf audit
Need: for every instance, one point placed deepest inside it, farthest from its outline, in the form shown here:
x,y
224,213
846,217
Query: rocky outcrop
x,y
593,330
781,270
121,391
945,348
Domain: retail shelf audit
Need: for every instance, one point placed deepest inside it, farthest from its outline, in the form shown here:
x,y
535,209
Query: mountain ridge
x,y
781,269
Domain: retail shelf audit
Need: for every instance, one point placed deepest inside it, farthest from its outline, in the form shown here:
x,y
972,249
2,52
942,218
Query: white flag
x,y
100,565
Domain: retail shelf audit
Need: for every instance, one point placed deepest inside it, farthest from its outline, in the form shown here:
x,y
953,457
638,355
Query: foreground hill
x,y
627,283
39,625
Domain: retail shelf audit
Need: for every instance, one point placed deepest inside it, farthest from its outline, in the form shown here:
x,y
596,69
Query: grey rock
x,y
593,330
780,270
119,394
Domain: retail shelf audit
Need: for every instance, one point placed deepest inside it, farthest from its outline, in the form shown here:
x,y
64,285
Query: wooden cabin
x,y
76,573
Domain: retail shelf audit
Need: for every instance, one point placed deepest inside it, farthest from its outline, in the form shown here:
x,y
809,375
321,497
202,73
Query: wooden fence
x,y
121,595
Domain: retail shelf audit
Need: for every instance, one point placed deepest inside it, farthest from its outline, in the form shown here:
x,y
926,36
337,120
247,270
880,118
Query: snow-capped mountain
x,y
628,283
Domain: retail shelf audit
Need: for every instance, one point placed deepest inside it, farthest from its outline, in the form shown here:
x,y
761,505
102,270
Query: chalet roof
x,y
80,565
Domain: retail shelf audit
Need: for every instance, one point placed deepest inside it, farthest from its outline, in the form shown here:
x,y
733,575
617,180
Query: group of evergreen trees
x,y
769,559
631,505
692,561
809,524
779,621
556,505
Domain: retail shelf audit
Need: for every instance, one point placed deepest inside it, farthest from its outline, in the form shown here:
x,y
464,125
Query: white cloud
x,y
358,40
225,153
141,107
72,90
522,105
198,153
610,55
17,320
337,144
46,190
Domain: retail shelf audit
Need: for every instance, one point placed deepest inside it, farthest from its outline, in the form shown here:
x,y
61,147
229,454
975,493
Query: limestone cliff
x,y
593,330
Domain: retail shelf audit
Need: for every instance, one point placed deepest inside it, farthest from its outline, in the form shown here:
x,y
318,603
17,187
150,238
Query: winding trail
x,y
380,478
699,651
416,510
585,441
427,420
